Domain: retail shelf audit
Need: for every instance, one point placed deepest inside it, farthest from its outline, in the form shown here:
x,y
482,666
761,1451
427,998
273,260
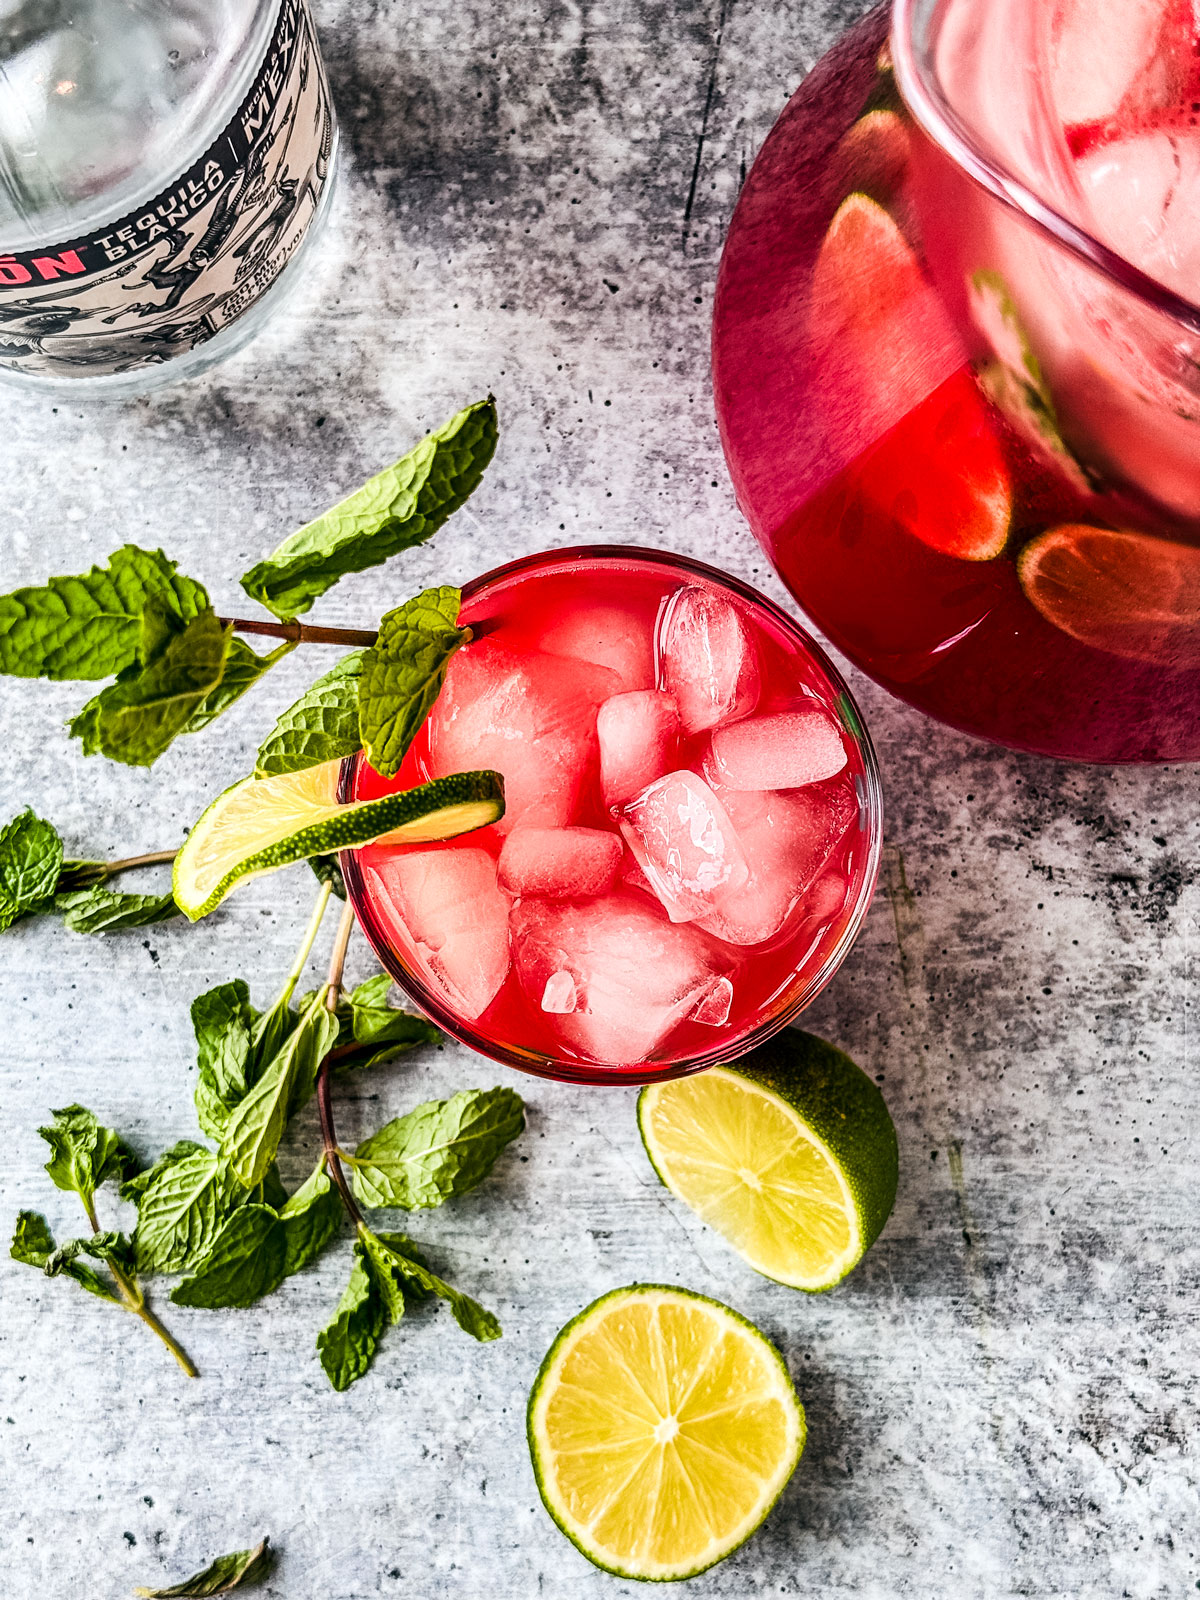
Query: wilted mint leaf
x,y
102,910
348,1344
398,1271
135,719
256,1125
33,1245
182,1208
91,626
243,669
403,673
246,1261
399,508
321,726
310,1219
32,1241
240,1570
31,856
83,1153
114,1248
441,1149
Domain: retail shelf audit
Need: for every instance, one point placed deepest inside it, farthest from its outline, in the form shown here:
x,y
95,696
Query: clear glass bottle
x,y
163,168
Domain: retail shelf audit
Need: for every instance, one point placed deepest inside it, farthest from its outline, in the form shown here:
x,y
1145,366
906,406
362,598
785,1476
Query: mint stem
x,y
301,632
333,995
133,1301
306,944
151,859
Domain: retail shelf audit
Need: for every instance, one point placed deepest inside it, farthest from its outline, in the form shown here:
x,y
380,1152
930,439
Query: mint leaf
x,y
398,1271
31,856
32,1241
310,1219
347,1345
91,626
441,1149
240,1570
83,1153
403,673
327,870
134,1188
102,910
222,1020
246,1261
243,669
113,1248
256,1126
181,1210
401,507
321,726
33,1245
135,719
382,1031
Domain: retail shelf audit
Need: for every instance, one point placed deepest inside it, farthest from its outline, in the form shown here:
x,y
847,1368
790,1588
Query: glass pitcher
x,y
957,365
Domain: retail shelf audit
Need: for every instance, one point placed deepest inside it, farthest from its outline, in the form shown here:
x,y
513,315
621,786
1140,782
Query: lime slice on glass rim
x,y
663,1428
790,1155
260,824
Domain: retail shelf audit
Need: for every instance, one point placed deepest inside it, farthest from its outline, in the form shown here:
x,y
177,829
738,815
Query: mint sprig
x,y
177,666
36,878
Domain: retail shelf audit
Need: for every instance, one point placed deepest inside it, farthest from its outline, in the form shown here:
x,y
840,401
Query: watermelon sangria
x,y
692,824
957,365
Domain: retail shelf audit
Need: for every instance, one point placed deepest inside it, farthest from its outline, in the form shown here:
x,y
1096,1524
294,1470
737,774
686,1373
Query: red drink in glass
x,y
957,365
692,829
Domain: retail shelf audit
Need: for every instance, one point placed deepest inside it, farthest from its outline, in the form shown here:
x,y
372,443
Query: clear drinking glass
x,y
163,168
957,364
585,977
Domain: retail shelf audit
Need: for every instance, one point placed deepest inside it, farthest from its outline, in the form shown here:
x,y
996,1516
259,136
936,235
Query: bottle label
x,y
173,273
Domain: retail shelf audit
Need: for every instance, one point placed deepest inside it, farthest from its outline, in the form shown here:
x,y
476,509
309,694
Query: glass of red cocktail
x,y
692,830
957,365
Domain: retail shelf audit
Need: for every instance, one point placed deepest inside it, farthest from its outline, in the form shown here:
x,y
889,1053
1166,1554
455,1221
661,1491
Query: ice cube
x,y
559,863
1111,55
608,637
783,751
456,917
635,975
685,844
638,733
714,1005
787,839
560,996
530,717
707,658
1145,197
632,876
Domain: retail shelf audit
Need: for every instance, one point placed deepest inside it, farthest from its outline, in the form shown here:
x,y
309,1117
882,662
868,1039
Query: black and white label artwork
x,y
173,273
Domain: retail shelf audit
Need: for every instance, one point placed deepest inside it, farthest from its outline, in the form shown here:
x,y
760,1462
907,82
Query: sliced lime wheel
x,y
1131,594
662,1427
790,1155
263,823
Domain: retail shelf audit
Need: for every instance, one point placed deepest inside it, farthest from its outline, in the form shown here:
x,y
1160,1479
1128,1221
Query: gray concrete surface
x,y
1003,1401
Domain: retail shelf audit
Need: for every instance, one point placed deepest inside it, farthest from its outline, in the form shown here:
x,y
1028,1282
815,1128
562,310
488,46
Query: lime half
x,y
663,1428
790,1155
263,823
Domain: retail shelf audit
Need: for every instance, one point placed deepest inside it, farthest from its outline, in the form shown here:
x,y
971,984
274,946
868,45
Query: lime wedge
x,y
662,1427
263,823
790,1156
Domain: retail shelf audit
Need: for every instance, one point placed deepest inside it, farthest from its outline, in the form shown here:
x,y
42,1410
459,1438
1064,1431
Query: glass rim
x,y
922,92
564,1070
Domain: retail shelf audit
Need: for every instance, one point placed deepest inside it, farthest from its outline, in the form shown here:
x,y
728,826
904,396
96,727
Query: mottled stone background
x,y
1003,1400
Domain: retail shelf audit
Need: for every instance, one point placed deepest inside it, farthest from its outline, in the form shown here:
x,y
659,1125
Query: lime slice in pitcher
x,y
1127,593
